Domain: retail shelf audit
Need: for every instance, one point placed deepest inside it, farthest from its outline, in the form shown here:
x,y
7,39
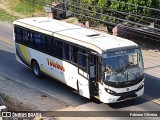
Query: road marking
x,y
7,41
157,101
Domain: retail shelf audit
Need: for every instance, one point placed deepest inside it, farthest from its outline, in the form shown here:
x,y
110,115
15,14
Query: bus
x,y
92,62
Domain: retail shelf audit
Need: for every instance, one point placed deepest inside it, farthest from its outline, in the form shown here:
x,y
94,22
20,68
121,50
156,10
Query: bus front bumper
x,y
108,98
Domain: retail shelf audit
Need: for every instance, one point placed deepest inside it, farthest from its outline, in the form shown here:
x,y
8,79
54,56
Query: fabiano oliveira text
x,y
145,114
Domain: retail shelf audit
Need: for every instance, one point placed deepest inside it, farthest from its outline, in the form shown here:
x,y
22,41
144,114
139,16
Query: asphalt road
x,y
10,67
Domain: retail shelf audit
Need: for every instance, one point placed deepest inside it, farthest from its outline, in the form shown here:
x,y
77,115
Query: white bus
x,y
95,64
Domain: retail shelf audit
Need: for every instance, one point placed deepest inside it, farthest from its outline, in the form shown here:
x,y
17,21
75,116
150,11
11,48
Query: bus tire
x,y
36,69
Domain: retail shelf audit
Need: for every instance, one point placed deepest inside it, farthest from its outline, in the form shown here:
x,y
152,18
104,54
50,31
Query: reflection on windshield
x,y
124,65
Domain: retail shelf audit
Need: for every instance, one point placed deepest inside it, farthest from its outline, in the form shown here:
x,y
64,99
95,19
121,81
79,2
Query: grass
x,y
27,8
20,9
5,17
71,20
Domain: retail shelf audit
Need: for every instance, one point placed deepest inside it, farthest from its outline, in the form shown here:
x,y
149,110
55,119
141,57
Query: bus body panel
x,y
60,70
23,54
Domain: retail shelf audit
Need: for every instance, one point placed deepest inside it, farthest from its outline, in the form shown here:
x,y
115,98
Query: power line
x,y
137,15
121,12
115,24
114,9
127,21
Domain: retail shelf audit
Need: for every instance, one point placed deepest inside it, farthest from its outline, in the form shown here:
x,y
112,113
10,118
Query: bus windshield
x,y
123,66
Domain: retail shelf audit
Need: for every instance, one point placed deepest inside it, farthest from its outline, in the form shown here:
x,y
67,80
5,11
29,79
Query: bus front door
x,y
83,76
94,74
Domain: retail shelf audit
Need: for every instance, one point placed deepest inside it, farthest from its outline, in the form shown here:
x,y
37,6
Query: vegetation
x,y
4,16
125,5
115,11
11,10
28,7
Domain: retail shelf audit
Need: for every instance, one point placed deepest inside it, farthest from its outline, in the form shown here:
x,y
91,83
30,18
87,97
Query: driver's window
x,y
133,59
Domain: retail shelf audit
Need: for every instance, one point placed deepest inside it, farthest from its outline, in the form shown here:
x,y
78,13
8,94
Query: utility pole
x,y
63,8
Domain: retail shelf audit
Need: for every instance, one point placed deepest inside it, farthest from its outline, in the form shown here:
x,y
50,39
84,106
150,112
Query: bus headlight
x,y
110,91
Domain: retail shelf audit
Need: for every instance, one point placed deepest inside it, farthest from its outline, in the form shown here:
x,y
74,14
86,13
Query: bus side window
x,y
18,32
37,38
31,39
65,51
24,36
74,52
49,45
44,43
58,49
82,58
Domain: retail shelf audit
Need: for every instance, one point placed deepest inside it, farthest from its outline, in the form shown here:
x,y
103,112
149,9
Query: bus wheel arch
x,y
35,68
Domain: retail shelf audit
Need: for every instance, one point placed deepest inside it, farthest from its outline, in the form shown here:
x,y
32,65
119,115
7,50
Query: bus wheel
x,y
36,69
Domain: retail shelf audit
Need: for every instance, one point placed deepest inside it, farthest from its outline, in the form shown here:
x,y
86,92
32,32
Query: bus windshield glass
x,y
121,66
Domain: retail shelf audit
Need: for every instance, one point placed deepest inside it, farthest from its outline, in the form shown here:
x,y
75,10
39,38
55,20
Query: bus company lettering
x,y
55,64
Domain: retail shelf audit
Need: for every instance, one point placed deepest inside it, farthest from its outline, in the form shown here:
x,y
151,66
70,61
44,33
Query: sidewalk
x,y
22,98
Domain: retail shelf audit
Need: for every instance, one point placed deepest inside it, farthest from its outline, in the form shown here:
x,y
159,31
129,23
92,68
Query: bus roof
x,y
99,41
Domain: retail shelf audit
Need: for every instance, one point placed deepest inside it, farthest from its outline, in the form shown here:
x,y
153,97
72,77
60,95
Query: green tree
x,y
102,3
